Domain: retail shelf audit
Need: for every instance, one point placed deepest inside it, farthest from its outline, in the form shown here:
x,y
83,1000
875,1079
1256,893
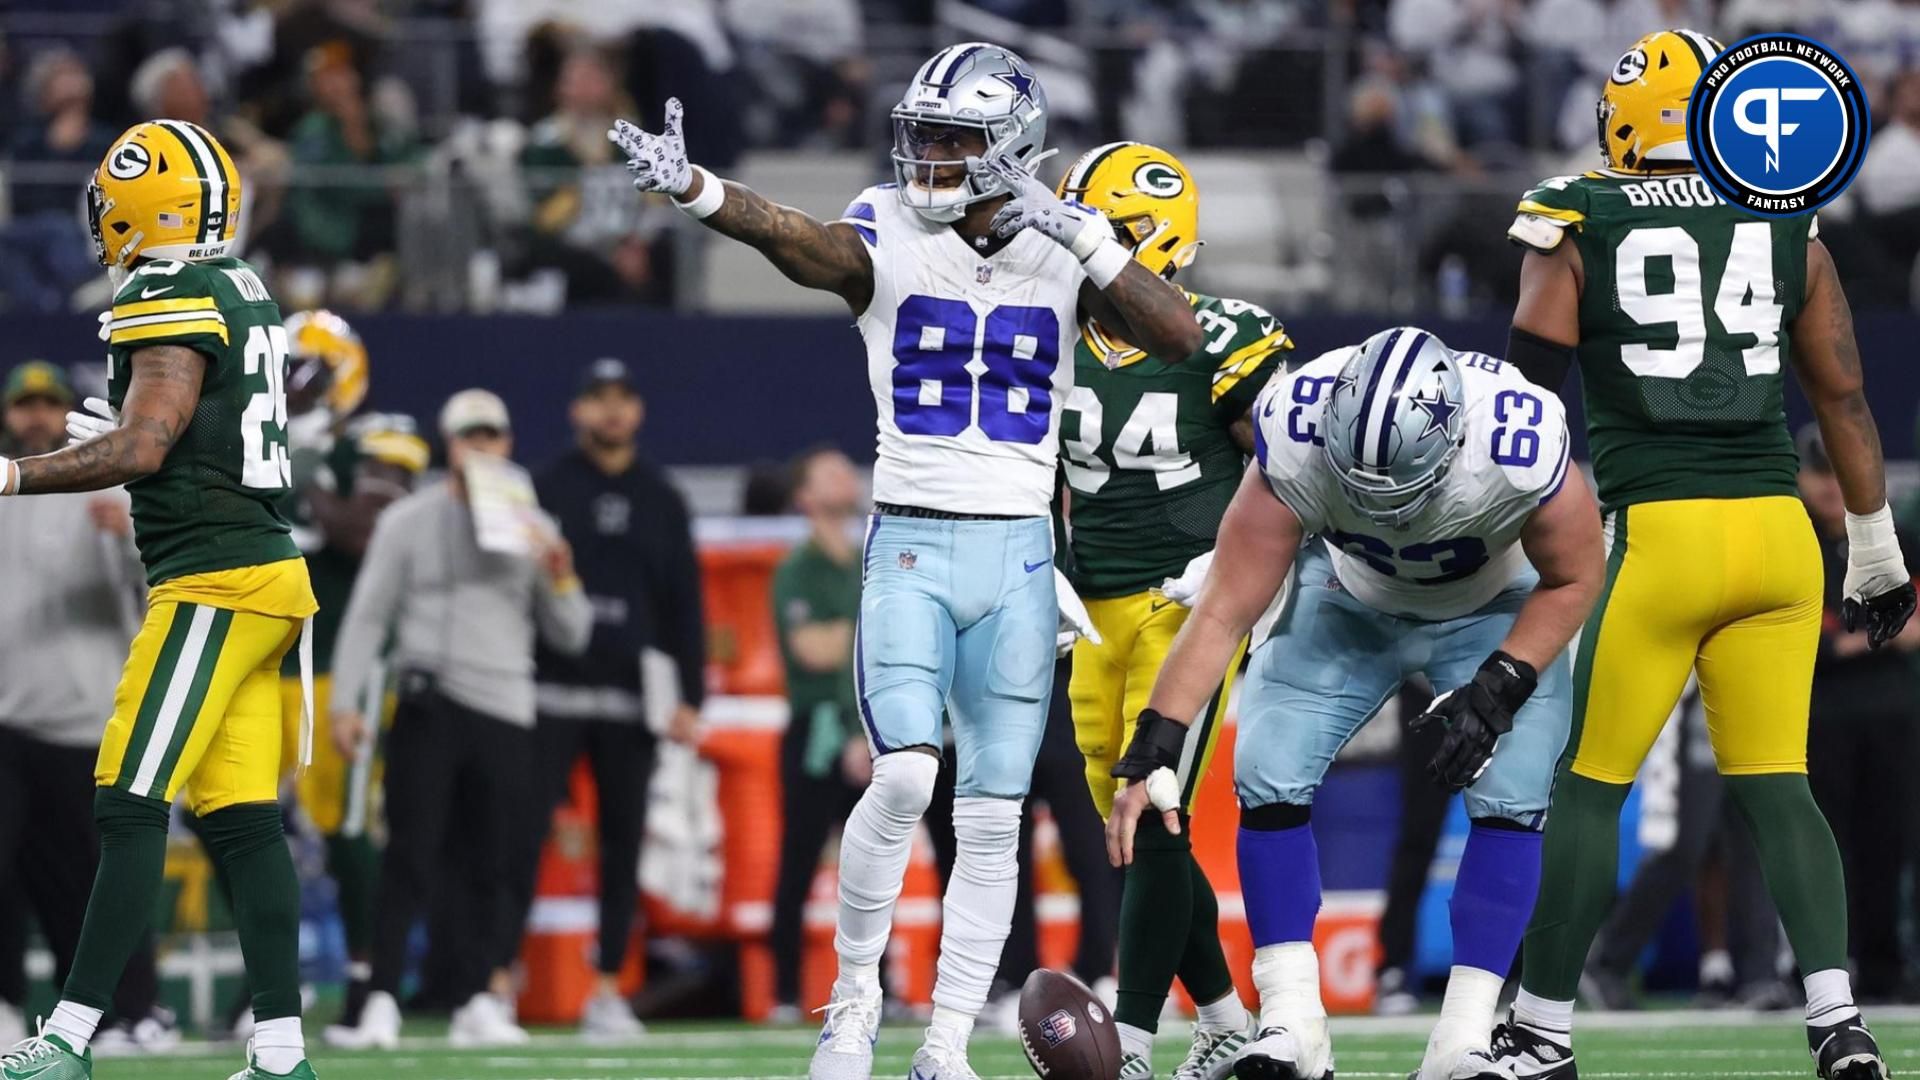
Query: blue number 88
x,y
933,341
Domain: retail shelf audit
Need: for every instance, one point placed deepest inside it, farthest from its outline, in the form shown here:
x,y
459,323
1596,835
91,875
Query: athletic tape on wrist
x,y
1868,530
712,194
9,477
1106,262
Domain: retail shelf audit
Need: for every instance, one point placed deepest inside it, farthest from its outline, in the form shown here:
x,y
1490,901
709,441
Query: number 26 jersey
x,y
1462,549
970,358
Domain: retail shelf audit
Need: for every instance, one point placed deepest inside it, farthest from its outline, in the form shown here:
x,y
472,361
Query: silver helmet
x,y
1394,420
971,85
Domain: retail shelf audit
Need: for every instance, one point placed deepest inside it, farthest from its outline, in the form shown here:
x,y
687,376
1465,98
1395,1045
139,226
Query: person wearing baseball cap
x,y
37,396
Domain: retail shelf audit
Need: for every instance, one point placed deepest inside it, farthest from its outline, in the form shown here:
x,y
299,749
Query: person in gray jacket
x,y
464,610
73,586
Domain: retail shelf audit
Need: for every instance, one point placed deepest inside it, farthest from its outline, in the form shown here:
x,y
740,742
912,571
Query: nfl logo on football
x,y
1058,1027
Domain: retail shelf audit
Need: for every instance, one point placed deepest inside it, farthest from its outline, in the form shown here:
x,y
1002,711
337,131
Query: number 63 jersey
x,y
1462,549
213,503
969,357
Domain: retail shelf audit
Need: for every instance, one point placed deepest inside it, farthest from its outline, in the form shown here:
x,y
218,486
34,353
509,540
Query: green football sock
x,y
1156,908
249,842
1580,860
1203,965
133,854
354,864
1801,862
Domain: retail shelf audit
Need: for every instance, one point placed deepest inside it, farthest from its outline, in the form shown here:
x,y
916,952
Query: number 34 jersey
x,y
970,359
1683,332
1463,547
212,505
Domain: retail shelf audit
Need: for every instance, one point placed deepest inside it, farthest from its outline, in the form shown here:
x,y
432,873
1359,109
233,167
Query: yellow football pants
x,y
198,707
1113,680
1730,588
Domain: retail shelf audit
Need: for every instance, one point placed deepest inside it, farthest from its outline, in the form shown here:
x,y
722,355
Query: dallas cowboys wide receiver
x,y
967,277
1431,480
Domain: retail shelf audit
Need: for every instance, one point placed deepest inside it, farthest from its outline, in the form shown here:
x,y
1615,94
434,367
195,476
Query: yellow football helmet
x,y
1147,194
167,190
1642,110
316,338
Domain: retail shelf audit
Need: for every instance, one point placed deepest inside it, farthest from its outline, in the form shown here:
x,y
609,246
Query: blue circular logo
x,y
1778,124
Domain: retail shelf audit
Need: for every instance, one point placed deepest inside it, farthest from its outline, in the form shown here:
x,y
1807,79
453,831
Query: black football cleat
x,y
1845,1051
1533,1054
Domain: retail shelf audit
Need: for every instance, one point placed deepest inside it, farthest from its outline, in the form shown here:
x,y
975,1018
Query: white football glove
x,y
98,419
657,162
1185,589
1075,623
1035,206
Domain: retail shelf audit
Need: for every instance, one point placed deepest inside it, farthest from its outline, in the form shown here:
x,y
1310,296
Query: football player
x,y
1682,312
197,362
967,278
1152,453
1454,539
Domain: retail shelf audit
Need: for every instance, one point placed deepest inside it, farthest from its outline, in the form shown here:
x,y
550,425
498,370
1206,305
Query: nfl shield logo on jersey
x,y
907,559
983,273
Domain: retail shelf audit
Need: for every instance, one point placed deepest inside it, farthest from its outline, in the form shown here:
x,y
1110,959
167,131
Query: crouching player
x,y
1432,480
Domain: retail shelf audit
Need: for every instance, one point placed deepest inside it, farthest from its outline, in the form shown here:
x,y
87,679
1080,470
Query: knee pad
x,y
902,785
987,839
1273,817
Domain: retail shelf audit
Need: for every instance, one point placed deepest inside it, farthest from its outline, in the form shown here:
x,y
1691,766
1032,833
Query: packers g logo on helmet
x,y
1642,111
167,190
1147,195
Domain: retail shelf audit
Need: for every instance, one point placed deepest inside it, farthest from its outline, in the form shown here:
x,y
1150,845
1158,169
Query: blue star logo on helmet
x,y
1440,411
1020,81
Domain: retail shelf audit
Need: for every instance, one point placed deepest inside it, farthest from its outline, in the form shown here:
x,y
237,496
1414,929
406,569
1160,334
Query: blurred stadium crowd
x,y
449,155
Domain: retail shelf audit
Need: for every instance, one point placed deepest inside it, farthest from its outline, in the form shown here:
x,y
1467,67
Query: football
x,y
1066,1032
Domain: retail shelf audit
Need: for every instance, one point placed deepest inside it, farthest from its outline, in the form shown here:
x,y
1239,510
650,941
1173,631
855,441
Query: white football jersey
x,y
1463,547
970,358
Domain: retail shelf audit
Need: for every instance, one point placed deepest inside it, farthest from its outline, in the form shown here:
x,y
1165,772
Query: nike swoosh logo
x,y
1156,605
148,294
1032,566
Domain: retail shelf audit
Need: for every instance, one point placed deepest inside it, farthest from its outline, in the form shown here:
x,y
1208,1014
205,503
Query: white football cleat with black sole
x,y
1528,1053
1277,1053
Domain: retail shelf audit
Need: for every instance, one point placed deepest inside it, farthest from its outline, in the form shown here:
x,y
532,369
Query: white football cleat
x,y
932,1062
379,1027
1530,1053
1212,1054
1471,1064
485,1020
845,1049
608,1018
1302,1052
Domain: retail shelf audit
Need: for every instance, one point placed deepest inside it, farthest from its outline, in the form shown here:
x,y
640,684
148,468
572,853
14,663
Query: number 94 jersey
x,y
970,358
213,505
1462,548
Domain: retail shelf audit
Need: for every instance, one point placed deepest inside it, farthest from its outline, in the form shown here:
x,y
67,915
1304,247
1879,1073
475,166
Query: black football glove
x,y
1882,617
1475,716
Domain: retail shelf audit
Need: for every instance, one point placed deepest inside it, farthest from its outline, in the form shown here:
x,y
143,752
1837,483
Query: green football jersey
x,y
1147,446
213,504
1683,332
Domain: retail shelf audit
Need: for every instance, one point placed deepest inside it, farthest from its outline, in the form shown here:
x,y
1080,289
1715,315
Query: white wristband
x,y
1106,262
712,194
9,477
1868,531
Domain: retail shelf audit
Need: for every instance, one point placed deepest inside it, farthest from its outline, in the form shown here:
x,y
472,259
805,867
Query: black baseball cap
x,y
606,371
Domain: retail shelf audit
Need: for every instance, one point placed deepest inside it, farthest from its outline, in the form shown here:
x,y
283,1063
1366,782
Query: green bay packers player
x,y
196,371
1152,453
1684,313
347,467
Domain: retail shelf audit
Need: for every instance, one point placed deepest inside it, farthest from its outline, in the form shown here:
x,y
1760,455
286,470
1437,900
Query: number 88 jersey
x,y
1462,548
213,504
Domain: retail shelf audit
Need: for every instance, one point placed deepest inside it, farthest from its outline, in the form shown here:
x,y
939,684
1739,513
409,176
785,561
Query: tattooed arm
x,y
164,391
1140,306
1827,360
809,252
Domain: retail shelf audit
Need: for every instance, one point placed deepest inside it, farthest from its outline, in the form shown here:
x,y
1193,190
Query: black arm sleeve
x,y
1544,363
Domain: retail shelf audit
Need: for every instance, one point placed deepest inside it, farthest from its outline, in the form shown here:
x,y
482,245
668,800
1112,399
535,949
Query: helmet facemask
x,y
1393,506
941,188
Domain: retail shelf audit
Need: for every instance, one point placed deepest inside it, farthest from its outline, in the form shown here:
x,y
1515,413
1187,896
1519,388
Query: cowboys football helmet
x,y
973,86
1394,422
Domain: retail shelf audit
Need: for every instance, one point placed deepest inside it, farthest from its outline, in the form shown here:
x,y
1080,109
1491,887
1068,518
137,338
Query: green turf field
x,y
1655,1044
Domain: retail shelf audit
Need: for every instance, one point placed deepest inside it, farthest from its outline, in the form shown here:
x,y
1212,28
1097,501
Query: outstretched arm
x,y
163,392
809,252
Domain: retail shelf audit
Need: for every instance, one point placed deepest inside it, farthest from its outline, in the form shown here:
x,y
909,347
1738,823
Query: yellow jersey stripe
x,y
1571,217
128,335
157,307
1246,361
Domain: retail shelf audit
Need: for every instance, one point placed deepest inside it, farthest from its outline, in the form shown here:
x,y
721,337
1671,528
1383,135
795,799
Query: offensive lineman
x,y
1681,310
1152,453
1432,480
966,277
197,362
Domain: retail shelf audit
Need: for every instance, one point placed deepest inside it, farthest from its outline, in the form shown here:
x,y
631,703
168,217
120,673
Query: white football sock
x,y
874,847
75,1024
1227,1014
278,1045
977,913
1829,997
1553,1017
1135,1041
1288,978
1466,1013
950,1029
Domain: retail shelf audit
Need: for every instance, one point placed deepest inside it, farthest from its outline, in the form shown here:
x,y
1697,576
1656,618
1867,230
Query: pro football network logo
x,y
1778,124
